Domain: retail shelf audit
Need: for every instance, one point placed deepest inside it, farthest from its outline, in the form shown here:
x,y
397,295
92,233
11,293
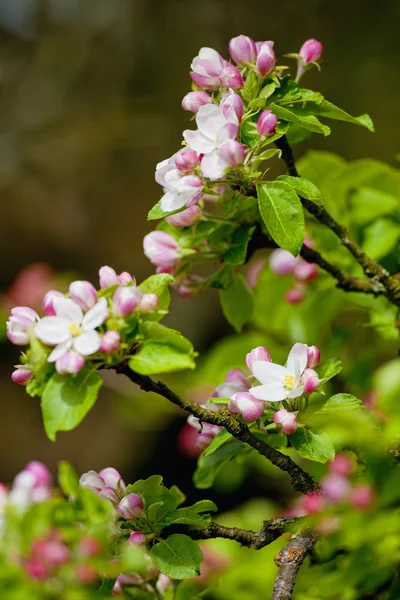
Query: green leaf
x,y
236,255
192,515
302,117
367,204
209,466
68,479
223,437
283,215
329,369
268,90
157,213
163,350
237,302
179,495
251,87
314,446
178,557
158,499
381,237
158,284
304,188
222,279
297,134
340,402
67,399
330,111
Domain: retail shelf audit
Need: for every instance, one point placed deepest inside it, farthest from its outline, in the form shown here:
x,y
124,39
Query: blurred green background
x,y
90,94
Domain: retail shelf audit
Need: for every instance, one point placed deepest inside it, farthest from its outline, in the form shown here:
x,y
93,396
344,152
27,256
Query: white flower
x,y
279,383
70,328
180,191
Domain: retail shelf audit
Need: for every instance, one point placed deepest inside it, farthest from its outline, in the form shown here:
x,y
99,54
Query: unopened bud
x,y
231,78
305,271
148,303
107,277
232,152
137,537
286,420
313,357
186,218
21,375
130,507
248,406
259,353
311,51
83,293
362,496
186,160
310,380
126,299
110,342
267,122
341,465
242,49
265,62
70,363
194,100
48,302
335,487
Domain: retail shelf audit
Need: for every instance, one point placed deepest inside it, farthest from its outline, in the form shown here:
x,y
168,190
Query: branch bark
x,y
289,561
301,481
373,270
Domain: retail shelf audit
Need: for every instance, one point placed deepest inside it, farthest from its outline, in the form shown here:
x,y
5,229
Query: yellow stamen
x,y
289,381
74,329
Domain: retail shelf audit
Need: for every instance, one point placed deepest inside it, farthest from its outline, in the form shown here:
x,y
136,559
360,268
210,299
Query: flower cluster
x,y
85,324
283,263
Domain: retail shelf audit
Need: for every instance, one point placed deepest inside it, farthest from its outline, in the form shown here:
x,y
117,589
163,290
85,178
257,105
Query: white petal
x,y
96,315
68,309
274,392
209,118
52,330
213,166
267,372
199,142
87,343
59,351
297,359
172,201
298,391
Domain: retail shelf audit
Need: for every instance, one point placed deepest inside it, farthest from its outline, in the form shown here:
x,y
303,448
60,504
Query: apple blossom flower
x,y
108,483
70,328
242,49
137,537
313,357
230,154
296,294
280,383
206,68
282,262
193,100
161,248
48,302
305,271
248,406
83,293
310,51
21,375
148,303
110,342
186,218
180,191
109,277
125,300
41,474
267,122
69,363
22,318
265,62
259,353
186,160
231,104
341,465
335,487
310,380
31,486
286,420
130,506
231,78
213,129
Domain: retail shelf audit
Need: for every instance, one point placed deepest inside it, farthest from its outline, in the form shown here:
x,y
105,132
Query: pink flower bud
x,y
311,51
163,583
313,357
206,68
51,552
137,537
130,507
231,104
286,420
259,353
282,262
313,503
310,380
36,569
250,408
89,546
362,496
21,319
148,303
126,278
230,78
232,152
161,248
70,363
267,122
83,293
107,277
186,218
265,59
237,376
335,487
341,465
92,481
296,294
242,49
42,476
125,300
48,302
305,271
21,375
186,160
85,573
193,100
112,478
110,342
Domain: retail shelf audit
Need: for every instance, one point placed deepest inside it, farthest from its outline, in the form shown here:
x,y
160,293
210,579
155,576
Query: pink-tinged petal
x,y
213,166
268,372
59,351
172,201
96,315
298,391
199,142
273,392
87,343
297,359
112,478
209,119
68,309
53,330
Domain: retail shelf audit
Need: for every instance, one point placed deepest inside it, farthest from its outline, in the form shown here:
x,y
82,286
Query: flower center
x,y
289,382
74,329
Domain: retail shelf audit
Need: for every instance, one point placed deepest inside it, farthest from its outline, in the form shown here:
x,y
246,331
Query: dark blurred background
x,y
90,94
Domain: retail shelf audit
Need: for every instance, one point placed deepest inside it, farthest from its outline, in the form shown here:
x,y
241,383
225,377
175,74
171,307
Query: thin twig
x,y
289,561
301,481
